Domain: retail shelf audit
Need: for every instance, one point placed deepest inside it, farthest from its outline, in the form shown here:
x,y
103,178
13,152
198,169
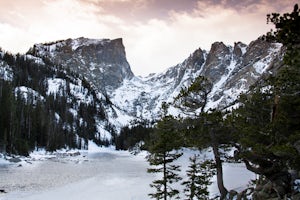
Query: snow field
x,y
99,173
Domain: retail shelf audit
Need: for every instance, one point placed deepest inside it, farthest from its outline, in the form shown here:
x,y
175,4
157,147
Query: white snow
x,y
57,117
102,173
80,93
260,66
142,97
3,162
99,173
118,118
76,43
219,86
224,78
102,133
243,49
93,66
297,185
55,84
74,112
27,93
36,59
6,73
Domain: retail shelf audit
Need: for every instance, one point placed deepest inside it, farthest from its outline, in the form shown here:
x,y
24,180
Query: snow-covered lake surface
x,y
103,174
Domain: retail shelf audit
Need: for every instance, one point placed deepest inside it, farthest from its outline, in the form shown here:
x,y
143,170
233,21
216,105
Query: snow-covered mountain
x,y
230,69
101,62
124,97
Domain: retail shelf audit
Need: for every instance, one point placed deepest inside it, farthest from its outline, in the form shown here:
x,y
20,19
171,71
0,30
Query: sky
x,y
157,34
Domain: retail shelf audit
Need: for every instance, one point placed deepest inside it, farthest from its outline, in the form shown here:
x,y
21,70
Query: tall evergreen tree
x,y
268,120
199,177
195,96
162,155
207,129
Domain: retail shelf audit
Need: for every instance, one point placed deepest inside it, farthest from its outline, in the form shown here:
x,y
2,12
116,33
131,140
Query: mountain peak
x,y
218,46
231,70
103,65
239,49
101,61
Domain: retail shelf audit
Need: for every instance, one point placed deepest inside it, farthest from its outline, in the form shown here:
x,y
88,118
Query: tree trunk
x,y
222,189
165,177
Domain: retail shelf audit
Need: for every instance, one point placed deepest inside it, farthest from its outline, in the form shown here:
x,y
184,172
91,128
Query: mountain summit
x,y
101,62
230,69
93,83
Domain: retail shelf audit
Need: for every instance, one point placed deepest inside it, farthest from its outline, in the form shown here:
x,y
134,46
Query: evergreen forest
x,y
33,117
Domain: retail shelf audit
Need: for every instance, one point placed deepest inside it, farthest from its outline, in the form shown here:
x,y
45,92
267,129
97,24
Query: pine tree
x,y
163,154
268,119
162,163
207,125
195,96
199,175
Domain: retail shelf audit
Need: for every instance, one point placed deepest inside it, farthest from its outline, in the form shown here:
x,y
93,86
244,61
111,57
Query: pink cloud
x,y
157,33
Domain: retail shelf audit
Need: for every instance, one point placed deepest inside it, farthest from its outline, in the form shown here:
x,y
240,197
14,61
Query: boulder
x,y
14,160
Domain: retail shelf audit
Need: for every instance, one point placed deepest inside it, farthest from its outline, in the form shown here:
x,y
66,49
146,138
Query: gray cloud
x,y
143,10
150,28
250,5
140,10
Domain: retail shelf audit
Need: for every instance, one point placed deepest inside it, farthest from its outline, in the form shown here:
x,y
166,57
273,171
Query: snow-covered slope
x,y
99,172
6,73
72,104
102,62
230,69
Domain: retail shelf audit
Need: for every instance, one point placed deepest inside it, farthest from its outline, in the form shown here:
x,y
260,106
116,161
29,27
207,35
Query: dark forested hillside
x,y
44,106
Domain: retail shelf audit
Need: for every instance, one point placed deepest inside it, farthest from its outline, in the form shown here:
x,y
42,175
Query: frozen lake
x,y
104,174
99,175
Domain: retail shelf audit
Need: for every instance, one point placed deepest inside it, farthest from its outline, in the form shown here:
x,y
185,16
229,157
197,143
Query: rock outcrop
x,y
101,62
231,70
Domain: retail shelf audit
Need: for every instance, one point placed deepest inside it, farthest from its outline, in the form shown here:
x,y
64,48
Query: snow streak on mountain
x,y
102,64
230,69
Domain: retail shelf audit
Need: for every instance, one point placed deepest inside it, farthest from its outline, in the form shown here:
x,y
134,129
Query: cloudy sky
x,y
156,33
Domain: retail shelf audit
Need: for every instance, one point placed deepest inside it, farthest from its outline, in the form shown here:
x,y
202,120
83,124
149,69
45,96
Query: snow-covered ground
x,y
100,173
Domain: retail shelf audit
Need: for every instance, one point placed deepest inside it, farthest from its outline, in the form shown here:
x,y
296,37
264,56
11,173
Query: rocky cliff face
x,y
102,62
92,89
242,66
231,70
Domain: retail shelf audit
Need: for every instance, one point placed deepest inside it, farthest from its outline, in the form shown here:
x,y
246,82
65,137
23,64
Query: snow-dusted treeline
x,y
42,105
